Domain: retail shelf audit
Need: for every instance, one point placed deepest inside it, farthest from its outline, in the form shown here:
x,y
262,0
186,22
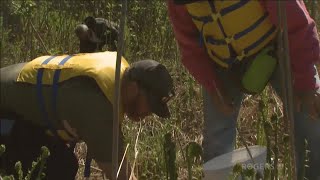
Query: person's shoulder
x,y
14,66
11,71
108,23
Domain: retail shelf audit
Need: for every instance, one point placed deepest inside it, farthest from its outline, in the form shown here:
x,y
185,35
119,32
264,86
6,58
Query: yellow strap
x,y
216,16
242,56
229,39
62,134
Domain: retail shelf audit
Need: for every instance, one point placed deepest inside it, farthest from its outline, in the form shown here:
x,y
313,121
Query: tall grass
x,y
25,24
35,172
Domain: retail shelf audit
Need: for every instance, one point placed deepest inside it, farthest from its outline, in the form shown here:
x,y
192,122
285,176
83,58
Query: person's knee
x,y
62,163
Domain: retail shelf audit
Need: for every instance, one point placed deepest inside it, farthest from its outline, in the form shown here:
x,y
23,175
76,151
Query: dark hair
x,y
99,32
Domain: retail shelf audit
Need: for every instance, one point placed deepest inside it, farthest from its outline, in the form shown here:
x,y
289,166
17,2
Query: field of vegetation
x,y
31,28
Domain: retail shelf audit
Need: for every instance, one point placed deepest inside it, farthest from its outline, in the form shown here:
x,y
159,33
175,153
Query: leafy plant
x,y
36,171
169,148
193,152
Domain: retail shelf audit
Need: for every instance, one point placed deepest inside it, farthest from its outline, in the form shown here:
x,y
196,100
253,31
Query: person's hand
x,y
133,177
222,101
310,101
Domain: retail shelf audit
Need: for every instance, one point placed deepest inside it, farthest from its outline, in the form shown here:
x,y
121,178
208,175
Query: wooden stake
x,y
286,80
116,102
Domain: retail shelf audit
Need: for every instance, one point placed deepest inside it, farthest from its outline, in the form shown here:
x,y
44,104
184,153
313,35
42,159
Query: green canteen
x,y
259,72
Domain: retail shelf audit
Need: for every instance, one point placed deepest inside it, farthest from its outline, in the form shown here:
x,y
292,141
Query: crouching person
x,y
94,33
69,98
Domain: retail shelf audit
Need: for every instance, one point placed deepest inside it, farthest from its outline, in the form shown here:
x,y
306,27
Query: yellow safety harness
x,y
231,30
51,70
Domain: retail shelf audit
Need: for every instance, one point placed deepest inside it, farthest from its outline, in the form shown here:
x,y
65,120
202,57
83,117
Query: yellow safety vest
x,y
232,30
99,66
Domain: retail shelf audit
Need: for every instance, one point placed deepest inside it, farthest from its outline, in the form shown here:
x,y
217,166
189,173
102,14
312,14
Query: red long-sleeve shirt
x,y
303,44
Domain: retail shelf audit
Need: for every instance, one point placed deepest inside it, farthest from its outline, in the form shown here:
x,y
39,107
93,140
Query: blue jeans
x,y
220,130
5,126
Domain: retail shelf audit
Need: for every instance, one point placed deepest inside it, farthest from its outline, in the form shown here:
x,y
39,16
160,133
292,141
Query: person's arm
x,y
99,145
193,56
91,114
303,42
124,174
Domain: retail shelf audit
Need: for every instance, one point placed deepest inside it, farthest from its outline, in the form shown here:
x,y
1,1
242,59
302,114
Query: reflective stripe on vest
x,y
231,30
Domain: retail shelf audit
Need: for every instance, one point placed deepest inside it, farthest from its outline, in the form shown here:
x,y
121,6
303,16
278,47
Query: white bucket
x,y
221,167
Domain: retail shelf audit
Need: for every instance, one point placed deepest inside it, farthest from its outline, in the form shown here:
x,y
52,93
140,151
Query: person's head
x,y
94,33
146,88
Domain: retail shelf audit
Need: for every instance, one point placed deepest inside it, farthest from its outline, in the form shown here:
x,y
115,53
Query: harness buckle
x,y
216,16
228,40
242,56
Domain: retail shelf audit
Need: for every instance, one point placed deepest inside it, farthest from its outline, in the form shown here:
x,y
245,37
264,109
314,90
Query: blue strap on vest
x,y
48,123
232,52
265,36
87,169
233,7
41,99
55,82
223,12
56,77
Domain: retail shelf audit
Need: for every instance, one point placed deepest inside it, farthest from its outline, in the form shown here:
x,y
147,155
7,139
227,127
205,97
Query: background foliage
x,y
31,28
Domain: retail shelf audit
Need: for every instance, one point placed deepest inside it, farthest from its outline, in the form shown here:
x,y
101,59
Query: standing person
x,y
69,98
228,47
